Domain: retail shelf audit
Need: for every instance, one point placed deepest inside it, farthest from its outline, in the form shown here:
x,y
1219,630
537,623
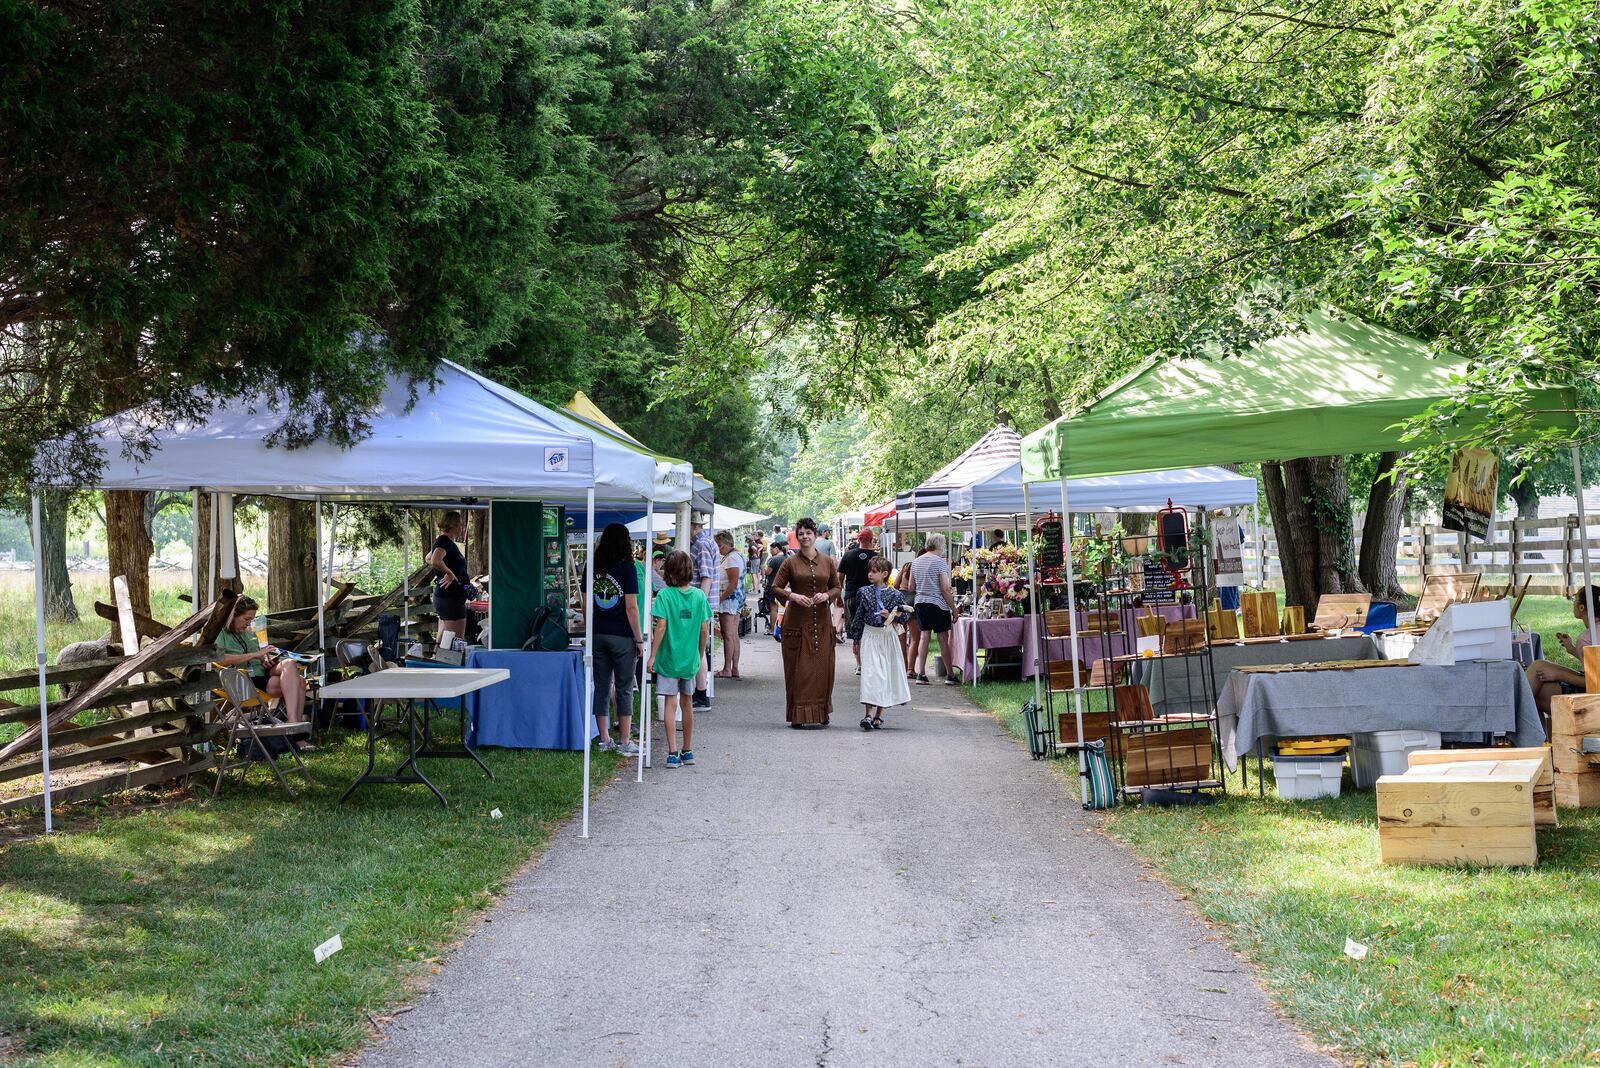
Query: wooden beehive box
x,y
1461,807
1171,757
1574,717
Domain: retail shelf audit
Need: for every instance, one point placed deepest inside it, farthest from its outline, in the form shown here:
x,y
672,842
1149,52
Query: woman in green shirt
x,y
279,678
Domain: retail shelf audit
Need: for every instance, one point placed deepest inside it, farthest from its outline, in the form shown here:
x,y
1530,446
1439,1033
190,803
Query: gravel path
x,y
920,895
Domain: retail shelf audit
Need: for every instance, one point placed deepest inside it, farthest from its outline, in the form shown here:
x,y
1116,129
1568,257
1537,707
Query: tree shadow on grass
x,y
187,932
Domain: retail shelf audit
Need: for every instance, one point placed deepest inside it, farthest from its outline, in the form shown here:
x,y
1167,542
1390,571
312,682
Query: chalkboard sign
x,y
1158,586
1173,535
1051,553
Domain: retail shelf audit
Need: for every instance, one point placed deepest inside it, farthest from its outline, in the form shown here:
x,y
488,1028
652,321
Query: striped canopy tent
x,y
927,507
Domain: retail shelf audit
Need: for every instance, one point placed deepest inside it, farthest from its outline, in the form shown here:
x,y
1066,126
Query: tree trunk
x,y
59,606
1330,508
128,545
478,542
1301,567
291,554
1523,493
1380,534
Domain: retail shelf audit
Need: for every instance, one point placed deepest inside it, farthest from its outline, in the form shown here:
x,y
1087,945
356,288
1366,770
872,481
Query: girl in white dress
x,y
883,679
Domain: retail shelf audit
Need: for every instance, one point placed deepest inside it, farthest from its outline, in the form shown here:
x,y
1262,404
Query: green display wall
x,y
527,567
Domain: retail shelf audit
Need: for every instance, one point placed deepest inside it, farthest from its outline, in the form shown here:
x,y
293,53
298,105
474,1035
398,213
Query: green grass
x,y
1465,965
184,933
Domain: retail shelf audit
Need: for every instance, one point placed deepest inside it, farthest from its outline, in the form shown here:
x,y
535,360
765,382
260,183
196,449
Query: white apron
x,y
883,672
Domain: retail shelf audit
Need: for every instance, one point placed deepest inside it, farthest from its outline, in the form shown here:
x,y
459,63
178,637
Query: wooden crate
x,y
1544,788
1096,727
1449,810
1260,613
1572,718
1167,757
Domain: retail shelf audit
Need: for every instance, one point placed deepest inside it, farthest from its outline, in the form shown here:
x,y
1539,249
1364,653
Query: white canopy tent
x,y
999,496
723,517
465,436
927,506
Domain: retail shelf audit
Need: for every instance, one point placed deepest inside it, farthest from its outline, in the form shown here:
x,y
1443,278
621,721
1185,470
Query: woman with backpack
x,y
618,637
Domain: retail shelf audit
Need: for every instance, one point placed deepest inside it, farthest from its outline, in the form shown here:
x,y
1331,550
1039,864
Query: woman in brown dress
x,y
807,584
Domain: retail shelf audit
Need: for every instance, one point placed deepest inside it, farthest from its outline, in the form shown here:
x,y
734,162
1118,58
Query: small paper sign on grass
x,y
328,949
495,813
1354,950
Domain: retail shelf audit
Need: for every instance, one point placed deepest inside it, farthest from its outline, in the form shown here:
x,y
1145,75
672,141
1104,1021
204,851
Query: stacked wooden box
x,y
1466,806
1574,717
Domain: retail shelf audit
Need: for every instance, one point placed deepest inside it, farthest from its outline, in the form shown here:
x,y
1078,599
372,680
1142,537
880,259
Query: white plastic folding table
x,y
410,688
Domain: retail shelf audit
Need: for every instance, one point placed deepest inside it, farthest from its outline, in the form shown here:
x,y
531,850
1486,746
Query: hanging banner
x,y
1470,492
1227,559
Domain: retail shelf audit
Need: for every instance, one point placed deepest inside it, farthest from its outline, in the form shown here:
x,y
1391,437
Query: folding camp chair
x,y
247,723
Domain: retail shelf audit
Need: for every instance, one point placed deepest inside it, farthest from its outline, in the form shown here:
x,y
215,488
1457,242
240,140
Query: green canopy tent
x,y
1340,385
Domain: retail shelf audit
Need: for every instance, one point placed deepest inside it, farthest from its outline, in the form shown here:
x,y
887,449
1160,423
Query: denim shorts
x,y
666,686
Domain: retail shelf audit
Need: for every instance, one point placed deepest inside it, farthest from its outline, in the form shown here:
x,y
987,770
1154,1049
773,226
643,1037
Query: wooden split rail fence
x,y
129,721
1549,551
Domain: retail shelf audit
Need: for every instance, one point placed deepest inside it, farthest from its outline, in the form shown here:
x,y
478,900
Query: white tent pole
x,y
211,571
1583,548
405,556
972,562
1033,595
588,657
40,658
322,595
1072,640
647,628
227,550
194,548
1260,546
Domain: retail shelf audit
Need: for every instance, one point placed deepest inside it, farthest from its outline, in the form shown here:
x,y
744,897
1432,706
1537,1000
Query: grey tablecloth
x,y
1483,697
1175,683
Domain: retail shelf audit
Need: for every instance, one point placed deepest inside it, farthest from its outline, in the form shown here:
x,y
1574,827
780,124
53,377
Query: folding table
x,y
409,687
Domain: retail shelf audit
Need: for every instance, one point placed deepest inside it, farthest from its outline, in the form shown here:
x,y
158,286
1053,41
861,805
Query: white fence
x,y
1547,550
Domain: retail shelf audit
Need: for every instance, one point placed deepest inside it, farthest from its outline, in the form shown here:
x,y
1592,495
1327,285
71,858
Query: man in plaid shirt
x,y
708,576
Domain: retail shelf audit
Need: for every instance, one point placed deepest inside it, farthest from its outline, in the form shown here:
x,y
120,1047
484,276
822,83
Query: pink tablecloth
x,y
1018,633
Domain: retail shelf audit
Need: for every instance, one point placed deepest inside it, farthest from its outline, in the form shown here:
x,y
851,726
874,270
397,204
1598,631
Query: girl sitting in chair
x,y
278,678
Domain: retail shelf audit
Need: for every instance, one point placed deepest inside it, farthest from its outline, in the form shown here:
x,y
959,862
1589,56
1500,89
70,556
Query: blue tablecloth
x,y
539,707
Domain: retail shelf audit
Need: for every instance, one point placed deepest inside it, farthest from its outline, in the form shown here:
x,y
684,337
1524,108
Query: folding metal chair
x,y
247,722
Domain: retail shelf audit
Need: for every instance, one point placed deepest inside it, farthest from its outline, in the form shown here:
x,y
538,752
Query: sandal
x,y
877,723
866,724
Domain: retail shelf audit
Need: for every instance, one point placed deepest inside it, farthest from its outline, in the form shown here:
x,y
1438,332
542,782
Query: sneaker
x,y
922,680
686,757
627,749
701,702
603,745
672,760
858,671
951,680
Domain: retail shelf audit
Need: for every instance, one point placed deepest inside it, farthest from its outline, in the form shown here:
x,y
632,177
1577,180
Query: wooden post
x,y
1466,553
1516,550
1422,557
1566,555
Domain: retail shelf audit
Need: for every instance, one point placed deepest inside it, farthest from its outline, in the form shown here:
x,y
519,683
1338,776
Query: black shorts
x,y
931,617
450,603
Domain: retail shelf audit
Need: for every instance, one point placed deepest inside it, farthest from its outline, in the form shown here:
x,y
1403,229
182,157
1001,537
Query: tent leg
x,y
972,562
1583,548
41,659
194,548
588,658
1072,642
322,597
1261,549
405,556
211,572
647,628
1033,596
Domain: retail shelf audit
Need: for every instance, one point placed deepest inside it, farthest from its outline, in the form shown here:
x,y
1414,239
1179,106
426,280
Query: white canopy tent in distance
x,y
464,437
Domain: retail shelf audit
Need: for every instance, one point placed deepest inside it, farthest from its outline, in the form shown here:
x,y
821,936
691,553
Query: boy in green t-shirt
x,y
678,648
